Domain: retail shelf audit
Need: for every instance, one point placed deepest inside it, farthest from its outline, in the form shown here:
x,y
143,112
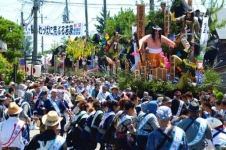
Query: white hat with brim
x,y
13,109
214,122
51,119
114,87
2,98
11,83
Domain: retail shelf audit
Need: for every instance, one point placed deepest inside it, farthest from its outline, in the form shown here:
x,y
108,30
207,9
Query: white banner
x,y
204,34
136,56
72,29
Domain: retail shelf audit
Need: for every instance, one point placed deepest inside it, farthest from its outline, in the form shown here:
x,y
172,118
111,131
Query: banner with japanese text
x,y
72,29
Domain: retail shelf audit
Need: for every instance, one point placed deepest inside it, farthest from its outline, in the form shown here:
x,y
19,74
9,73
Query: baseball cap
x,y
164,113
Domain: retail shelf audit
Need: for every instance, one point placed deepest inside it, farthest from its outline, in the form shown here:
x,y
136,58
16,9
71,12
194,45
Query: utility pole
x,y
86,16
152,3
67,11
105,10
42,36
35,35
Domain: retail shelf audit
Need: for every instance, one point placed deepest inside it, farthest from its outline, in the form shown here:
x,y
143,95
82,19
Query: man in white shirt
x,y
13,133
219,133
103,94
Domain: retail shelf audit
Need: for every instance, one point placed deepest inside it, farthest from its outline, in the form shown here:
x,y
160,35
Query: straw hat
x,y
114,87
13,109
79,98
51,119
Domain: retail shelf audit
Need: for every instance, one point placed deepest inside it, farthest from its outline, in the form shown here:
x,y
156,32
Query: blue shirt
x,y
115,97
39,106
49,106
205,114
155,138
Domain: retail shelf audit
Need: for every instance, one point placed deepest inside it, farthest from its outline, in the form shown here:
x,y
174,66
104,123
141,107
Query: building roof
x,y
222,31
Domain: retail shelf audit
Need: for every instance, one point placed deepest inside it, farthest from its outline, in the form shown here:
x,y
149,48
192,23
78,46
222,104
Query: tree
x,y
212,12
12,34
100,28
78,48
123,20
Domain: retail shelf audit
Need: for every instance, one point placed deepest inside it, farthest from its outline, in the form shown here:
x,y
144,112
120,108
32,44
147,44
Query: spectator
x,y
161,138
197,130
51,120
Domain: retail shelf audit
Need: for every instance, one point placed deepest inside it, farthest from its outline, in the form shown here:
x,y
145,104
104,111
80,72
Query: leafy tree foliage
x,y
123,20
101,26
12,34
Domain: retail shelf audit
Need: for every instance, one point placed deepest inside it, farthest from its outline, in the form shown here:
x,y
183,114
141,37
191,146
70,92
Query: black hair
x,y
224,102
183,96
104,104
59,79
112,103
207,104
153,35
220,117
96,105
218,102
11,89
133,97
128,105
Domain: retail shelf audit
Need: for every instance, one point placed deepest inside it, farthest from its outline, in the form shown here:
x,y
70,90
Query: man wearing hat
x,y
197,130
167,136
49,140
13,135
114,94
154,42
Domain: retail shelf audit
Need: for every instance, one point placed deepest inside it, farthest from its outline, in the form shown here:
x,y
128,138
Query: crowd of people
x,y
83,113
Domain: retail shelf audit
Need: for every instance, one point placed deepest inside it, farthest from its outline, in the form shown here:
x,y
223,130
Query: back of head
x,y
152,107
128,105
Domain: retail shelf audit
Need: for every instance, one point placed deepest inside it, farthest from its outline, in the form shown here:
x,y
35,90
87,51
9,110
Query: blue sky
x,y
52,12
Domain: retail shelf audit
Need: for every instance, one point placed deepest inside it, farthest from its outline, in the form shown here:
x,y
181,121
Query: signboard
x,y
140,21
71,29
141,27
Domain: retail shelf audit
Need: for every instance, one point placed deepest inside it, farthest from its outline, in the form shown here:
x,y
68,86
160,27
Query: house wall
x,y
222,51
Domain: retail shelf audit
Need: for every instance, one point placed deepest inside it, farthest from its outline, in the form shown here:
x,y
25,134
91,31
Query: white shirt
x,y
220,138
102,95
6,129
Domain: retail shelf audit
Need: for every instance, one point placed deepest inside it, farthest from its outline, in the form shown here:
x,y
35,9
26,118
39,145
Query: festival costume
x,y
13,134
125,123
94,127
85,135
148,124
175,139
155,57
197,132
48,140
77,125
103,126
